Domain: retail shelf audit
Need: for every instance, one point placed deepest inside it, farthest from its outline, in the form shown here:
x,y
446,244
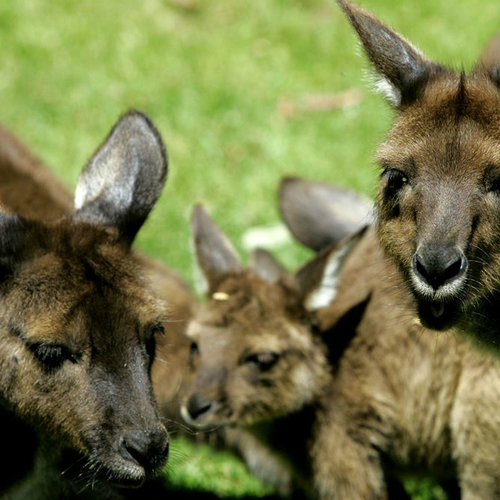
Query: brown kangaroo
x,y
29,188
439,199
324,382
79,324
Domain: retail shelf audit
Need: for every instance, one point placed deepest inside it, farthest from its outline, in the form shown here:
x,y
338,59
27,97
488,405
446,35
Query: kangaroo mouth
x,y
437,315
120,473
123,473
205,422
128,482
101,474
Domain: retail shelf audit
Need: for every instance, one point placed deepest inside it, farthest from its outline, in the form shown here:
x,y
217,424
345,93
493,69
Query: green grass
x,y
195,467
212,77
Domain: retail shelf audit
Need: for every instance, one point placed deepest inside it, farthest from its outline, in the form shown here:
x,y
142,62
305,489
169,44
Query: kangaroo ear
x,y
214,252
402,67
320,214
318,280
266,265
489,60
125,177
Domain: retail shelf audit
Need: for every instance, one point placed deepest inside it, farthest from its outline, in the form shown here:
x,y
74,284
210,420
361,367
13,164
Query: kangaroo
x,y
324,382
79,327
437,209
29,188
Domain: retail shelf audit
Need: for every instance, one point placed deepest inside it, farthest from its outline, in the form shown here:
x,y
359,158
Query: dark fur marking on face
x,y
344,331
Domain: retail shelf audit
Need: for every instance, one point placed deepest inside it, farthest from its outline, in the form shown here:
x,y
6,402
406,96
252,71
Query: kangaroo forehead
x,y
446,143
450,101
54,298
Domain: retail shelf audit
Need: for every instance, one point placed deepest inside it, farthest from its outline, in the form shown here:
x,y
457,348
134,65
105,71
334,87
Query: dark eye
x,y
51,356
264,360
194,350
395,179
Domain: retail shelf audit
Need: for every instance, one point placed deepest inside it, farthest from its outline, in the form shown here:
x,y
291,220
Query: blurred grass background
x,y
224,80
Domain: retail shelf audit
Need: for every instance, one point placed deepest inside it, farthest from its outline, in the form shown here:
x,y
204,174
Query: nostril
x,y
198,406
453,269
420,268
133,449
144,448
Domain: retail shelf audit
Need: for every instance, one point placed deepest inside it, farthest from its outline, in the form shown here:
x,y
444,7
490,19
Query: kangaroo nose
x,y
199,405
439,265
146,448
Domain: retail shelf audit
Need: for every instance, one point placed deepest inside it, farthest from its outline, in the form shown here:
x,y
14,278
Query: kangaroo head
x,y
439,198
254,353
78,323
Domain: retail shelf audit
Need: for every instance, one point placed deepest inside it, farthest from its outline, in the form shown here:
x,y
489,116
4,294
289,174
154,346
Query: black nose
x,y
147,448
437,265
199,405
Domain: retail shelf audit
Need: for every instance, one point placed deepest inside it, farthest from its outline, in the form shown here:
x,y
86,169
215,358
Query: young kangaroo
x,y
322,383
438,206
77,331
258,367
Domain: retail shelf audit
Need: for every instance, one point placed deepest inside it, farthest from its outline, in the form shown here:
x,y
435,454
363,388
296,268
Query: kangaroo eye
x,y
51,356
264,360
395,179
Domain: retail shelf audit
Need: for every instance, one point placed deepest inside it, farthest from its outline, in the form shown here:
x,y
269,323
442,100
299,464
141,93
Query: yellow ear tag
x,y
220,296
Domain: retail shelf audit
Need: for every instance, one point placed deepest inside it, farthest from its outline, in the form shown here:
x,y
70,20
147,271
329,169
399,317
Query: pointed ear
x,y
320,214
403,69
489,60
214,252
265,265
125,177
318,280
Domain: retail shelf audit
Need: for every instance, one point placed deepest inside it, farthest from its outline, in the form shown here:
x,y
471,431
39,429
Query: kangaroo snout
x,y
199,406
149,449
438,265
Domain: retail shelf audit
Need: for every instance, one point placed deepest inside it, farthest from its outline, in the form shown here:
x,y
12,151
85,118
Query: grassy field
x,y
229,85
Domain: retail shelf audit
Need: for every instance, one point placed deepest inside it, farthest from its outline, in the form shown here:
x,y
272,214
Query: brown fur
x,y
170,374
439,200
381,398
78,327
255,359
29,188
418,400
